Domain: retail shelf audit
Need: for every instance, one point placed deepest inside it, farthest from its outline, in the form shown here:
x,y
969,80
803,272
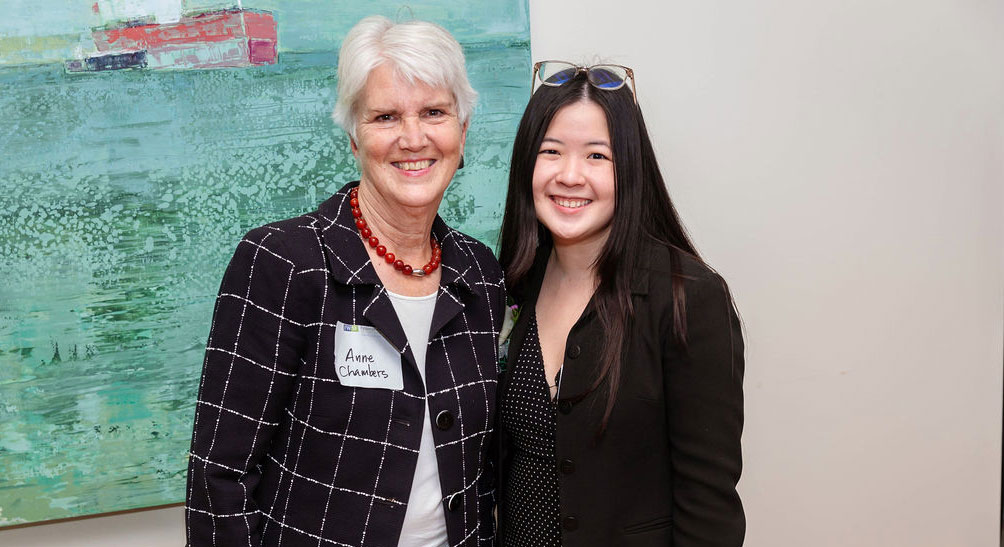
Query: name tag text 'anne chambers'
x,y
361,359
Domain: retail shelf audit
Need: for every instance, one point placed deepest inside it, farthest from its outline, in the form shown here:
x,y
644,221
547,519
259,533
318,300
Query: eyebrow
x,y
394,110
590,143
378,110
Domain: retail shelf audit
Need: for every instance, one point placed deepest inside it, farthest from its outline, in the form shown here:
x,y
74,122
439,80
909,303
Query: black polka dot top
x,y
528,416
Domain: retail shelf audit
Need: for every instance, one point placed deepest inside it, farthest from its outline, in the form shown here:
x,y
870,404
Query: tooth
x,y
413,165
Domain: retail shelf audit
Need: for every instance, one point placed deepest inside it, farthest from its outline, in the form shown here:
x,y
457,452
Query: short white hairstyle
x,y
418,50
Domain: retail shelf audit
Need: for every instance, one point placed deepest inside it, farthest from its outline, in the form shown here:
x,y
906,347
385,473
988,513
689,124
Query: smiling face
x,y
573,178
408,139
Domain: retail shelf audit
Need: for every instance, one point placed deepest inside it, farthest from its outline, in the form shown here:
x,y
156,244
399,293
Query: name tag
x,y
364,358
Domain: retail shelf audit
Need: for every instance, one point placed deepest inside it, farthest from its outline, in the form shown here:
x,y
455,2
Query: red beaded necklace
x,y
399,265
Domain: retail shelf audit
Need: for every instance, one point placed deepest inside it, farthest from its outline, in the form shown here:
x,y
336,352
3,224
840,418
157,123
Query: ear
x,y
463,136
355,148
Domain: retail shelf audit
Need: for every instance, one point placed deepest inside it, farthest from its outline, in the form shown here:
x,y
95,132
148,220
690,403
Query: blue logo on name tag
x,y
350,328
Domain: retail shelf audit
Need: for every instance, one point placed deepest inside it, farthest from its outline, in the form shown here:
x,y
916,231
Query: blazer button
x,y
565,407
574,351
570,523
567,467
444,420
453,502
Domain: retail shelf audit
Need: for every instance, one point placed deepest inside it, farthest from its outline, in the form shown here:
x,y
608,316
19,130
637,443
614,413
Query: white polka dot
x,y
528,416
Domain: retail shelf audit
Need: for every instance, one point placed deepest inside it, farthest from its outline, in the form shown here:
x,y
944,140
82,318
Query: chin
x,y
419,194
571,236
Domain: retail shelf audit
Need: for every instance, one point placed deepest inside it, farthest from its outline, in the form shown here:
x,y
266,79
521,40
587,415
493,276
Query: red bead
x,y
406,269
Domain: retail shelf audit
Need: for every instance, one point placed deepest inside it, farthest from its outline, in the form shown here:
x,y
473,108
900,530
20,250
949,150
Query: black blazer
x,y
282,453
665,472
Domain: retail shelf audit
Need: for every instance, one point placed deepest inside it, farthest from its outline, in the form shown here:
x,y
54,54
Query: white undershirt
x,y
424,518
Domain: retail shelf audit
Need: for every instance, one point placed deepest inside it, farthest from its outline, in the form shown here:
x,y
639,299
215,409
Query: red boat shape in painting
x,y
233,37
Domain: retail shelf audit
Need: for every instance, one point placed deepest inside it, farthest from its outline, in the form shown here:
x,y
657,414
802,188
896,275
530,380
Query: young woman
x,y
622,408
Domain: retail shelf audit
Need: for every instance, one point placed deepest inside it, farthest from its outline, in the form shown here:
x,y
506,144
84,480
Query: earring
x,y
461,166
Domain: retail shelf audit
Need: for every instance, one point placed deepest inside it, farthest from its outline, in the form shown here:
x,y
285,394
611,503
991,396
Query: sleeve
x,y
249,371
705,415
487,487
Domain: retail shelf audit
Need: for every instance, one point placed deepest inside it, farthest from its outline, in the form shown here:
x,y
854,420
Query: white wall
x,y
154,528
841,163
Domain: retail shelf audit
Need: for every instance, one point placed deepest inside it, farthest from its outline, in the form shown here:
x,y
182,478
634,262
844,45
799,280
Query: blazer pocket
x,y
649,525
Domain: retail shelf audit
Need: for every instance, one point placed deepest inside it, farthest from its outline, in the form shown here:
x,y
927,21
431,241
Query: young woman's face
x,y
573,179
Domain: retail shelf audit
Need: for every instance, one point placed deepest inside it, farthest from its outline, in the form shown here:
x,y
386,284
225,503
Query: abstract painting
x,y
140,140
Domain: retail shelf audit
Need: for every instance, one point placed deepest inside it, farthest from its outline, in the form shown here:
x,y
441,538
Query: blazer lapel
x,y
454,280
348,261
379,311
526,305
586,337
349,264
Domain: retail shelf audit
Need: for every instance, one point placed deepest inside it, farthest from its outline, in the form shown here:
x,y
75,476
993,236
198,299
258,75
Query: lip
x,y
570,204
414,168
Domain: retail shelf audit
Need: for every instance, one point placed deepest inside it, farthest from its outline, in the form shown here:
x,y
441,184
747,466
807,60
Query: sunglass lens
x,y
607,76
552,73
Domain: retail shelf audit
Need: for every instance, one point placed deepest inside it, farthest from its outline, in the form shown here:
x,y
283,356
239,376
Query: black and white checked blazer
x,y
282,453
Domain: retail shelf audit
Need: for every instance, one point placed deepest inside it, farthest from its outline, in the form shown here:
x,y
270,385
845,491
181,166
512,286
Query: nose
x,y
413,135
571,172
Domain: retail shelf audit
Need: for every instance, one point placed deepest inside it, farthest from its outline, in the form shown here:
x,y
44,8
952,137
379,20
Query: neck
x,y
405,231
576,262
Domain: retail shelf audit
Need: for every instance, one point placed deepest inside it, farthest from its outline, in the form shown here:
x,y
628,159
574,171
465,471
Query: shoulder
x,y
706,308
658,265
702,285
476,254
294,241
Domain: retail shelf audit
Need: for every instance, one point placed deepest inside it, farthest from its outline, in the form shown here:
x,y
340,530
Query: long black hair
x,y
642,210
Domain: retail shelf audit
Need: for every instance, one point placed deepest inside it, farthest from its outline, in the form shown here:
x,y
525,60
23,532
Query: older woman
x,y
348,391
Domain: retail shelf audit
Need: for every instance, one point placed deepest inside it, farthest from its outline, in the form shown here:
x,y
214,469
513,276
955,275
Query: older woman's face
x,y
408,139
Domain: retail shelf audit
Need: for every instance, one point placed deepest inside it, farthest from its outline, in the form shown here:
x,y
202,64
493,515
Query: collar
x,y
648,254
350,264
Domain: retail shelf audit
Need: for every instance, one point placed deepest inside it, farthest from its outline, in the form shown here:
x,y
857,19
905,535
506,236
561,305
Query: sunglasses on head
x,y
605,77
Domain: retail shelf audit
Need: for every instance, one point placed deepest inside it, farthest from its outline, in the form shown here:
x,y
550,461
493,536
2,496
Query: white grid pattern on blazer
x,y
282,453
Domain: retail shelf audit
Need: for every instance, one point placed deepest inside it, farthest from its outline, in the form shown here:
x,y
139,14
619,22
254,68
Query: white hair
x,y
418,50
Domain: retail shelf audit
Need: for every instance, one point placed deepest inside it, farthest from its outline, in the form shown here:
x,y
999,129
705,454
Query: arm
x,y
487,486
251,360
704,396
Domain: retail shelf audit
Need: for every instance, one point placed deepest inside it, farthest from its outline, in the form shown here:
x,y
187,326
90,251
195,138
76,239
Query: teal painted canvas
x,y
140,140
